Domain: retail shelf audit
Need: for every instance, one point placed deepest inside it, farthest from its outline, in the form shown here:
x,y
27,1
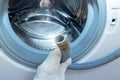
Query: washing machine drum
x,y
28,28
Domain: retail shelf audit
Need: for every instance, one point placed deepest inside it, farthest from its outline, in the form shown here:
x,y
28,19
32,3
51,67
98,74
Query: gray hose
x,y
63,44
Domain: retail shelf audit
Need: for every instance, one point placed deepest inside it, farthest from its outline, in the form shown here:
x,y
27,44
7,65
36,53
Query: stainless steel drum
x,y
38,26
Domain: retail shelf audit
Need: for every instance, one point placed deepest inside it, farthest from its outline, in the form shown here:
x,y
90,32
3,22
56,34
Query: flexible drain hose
x,y
63,44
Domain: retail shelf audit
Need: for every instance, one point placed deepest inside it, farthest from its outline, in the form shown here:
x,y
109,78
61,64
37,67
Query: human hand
x,y
51,68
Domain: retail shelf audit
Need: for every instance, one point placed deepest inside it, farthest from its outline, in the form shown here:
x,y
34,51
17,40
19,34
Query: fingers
x,y
64,65
63,68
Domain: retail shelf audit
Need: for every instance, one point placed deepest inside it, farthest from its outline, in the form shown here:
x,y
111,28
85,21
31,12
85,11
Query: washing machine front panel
x,y
85,47
15,71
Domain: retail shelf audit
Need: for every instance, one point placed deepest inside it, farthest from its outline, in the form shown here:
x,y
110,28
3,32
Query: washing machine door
x,y
28,29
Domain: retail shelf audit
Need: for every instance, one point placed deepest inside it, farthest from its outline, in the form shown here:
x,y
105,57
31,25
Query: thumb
x,y
54,57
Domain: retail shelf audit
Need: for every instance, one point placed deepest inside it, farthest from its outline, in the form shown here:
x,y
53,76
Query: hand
x,y
51,68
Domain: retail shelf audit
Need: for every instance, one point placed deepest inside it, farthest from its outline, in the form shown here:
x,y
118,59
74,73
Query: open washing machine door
x,y
28,29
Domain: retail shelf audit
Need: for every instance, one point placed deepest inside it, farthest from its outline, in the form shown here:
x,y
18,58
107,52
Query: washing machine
x,y
28,29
